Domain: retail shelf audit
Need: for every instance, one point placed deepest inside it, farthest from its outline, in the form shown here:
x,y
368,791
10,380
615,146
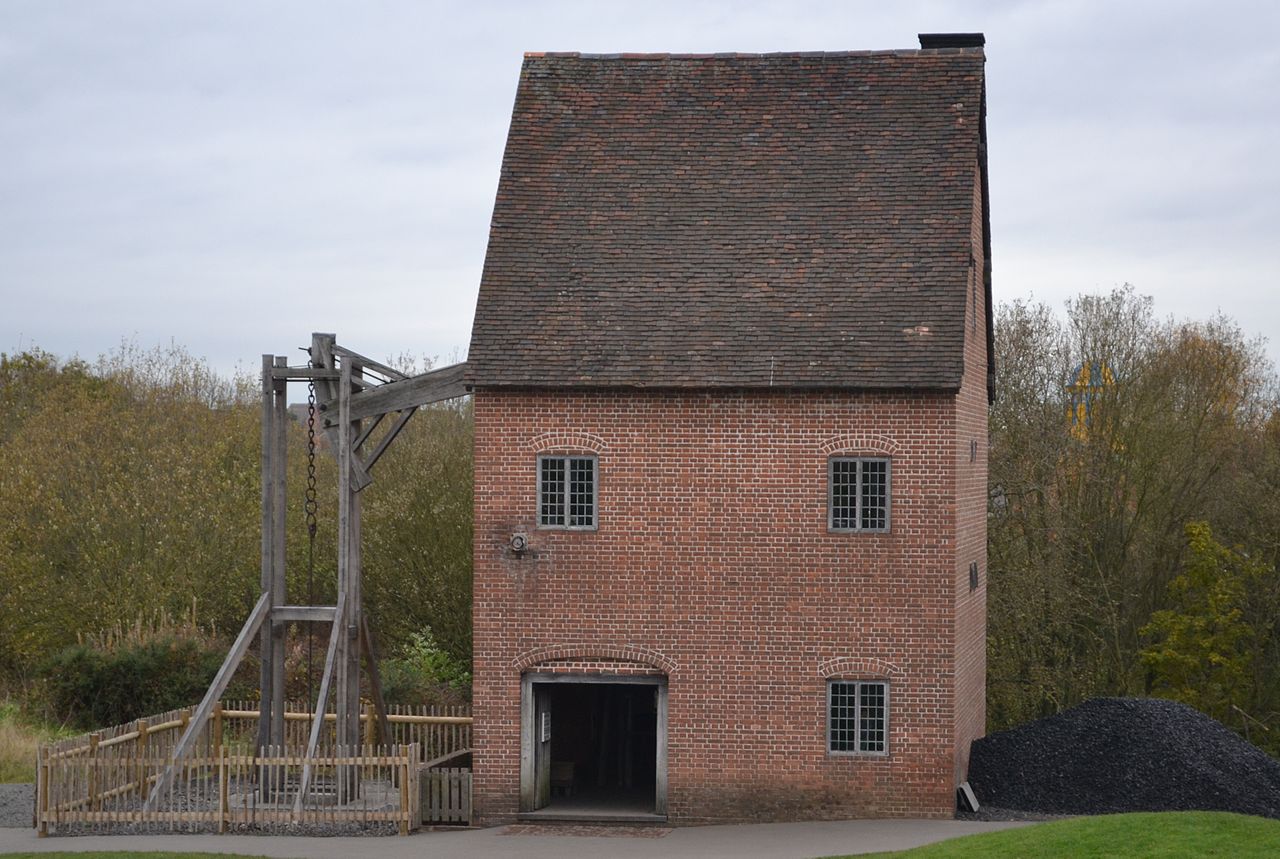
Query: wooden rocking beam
x,y
432,387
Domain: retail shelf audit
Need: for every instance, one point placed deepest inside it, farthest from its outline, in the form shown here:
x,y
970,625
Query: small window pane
x,y
871,717
875,494
843,717
844,481
552,500
582,492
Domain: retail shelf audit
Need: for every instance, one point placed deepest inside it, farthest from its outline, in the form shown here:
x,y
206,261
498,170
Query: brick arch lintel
x,y
858,666
585,652
861,443
566,440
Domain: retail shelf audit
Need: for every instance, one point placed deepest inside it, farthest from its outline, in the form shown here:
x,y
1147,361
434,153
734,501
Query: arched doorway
x,y
593,746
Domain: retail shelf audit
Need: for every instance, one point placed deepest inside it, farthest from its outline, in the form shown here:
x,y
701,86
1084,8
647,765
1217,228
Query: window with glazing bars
x,y
567,491
858,717
858,494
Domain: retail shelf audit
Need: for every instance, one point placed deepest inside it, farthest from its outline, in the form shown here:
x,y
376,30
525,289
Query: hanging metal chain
x,y
309,507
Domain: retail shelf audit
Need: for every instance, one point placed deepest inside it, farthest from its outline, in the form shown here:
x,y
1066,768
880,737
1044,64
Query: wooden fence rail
x,y
438,731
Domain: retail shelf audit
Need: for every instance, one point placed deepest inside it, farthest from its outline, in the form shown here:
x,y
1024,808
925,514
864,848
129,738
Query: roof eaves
x,y
738,55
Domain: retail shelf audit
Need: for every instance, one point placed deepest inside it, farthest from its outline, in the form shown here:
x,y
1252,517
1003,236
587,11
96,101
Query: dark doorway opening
x,y
596,749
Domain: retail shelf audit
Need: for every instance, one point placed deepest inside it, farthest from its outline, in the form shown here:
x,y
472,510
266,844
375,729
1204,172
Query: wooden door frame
x,y
528,729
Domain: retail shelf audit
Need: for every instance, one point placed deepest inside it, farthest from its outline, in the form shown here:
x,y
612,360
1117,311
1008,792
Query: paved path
x,y
758,841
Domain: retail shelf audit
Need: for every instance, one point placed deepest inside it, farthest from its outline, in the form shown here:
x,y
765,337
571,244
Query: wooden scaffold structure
x,y
354,397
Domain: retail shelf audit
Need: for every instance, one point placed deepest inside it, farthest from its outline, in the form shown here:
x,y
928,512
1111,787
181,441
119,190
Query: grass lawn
x,y
1189,834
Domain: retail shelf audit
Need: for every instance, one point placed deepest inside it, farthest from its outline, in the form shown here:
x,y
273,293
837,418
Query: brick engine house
x,y
731,364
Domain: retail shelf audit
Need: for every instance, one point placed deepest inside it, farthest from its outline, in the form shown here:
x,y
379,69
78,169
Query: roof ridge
x,y
738,55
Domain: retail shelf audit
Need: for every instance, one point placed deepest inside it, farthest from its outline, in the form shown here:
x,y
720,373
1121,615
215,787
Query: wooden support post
x,y
347,704
404,798
223,791
42,793
140,761
322,356
95,801
279,467
370,726
266,639
215,742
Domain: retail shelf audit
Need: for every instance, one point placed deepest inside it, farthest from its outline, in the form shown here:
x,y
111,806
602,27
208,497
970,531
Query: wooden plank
x,y
297,613
241,646
430,387
303,374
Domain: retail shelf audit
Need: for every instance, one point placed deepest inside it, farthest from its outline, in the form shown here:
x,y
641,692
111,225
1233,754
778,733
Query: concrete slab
x,y
753,841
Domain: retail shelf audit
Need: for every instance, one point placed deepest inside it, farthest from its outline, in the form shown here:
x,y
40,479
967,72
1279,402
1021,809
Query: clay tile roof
x,y
794,220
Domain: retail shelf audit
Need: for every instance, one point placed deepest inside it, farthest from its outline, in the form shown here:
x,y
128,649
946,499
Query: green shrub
x,y
425,673
92,687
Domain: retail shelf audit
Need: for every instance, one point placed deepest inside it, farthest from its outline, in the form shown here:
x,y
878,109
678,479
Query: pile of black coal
x,y
1113,755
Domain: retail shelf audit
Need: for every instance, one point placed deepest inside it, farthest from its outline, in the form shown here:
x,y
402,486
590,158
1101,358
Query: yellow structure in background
x,y
1091,379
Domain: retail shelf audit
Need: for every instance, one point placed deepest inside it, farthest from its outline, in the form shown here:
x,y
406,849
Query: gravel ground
x,y
1112,755
17,803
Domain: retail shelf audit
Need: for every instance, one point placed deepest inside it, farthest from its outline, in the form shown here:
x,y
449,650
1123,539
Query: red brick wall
x,y
971,511
713,563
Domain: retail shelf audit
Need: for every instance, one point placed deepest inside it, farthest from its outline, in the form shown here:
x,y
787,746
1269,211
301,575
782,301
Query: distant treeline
x,y
1134,514
129,511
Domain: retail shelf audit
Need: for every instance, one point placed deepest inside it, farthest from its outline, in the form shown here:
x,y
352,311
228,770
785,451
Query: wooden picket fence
x,y
101,781
446,795
108,791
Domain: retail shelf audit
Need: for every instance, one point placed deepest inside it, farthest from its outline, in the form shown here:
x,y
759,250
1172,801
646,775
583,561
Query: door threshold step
x,y
550,816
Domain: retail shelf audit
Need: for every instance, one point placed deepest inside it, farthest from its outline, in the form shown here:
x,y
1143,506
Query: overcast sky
x,y
234,175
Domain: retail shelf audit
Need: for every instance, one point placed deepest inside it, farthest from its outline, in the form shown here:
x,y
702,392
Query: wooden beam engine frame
x,y
351,403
